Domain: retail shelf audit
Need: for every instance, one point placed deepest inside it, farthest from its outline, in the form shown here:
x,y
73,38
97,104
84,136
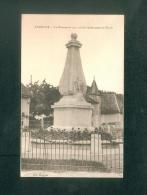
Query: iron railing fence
x,y
71,150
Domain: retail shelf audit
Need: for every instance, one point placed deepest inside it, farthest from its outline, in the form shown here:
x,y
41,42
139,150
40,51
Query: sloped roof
x,y
24,91
109,103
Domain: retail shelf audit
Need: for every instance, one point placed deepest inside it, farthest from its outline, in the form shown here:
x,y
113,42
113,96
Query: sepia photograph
x,y
72,95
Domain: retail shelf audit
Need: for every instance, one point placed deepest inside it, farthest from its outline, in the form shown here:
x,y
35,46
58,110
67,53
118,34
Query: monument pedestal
x,y
72,111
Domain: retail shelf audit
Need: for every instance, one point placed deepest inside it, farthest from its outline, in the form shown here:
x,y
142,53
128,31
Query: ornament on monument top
x,y
73,41
74,36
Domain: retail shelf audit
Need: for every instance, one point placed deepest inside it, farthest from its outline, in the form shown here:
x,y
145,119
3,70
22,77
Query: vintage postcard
x,y
72,95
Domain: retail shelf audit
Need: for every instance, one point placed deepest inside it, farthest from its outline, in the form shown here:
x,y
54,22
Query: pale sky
x,y
43,50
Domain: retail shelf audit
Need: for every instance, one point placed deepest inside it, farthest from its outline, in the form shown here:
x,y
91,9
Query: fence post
x,y
25,142
96,147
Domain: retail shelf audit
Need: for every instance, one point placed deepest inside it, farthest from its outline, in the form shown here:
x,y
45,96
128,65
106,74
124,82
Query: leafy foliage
x,y
42,97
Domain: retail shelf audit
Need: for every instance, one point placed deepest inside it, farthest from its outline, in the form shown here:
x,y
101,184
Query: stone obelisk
x,y
72,110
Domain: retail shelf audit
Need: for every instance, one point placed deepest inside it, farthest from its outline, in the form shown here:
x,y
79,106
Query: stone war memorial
x,y
73,110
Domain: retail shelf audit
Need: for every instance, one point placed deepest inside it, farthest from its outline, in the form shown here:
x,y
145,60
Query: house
x,y
107,106
25,106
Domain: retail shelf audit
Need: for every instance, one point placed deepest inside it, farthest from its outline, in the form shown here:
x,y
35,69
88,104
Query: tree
x,y
42,97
